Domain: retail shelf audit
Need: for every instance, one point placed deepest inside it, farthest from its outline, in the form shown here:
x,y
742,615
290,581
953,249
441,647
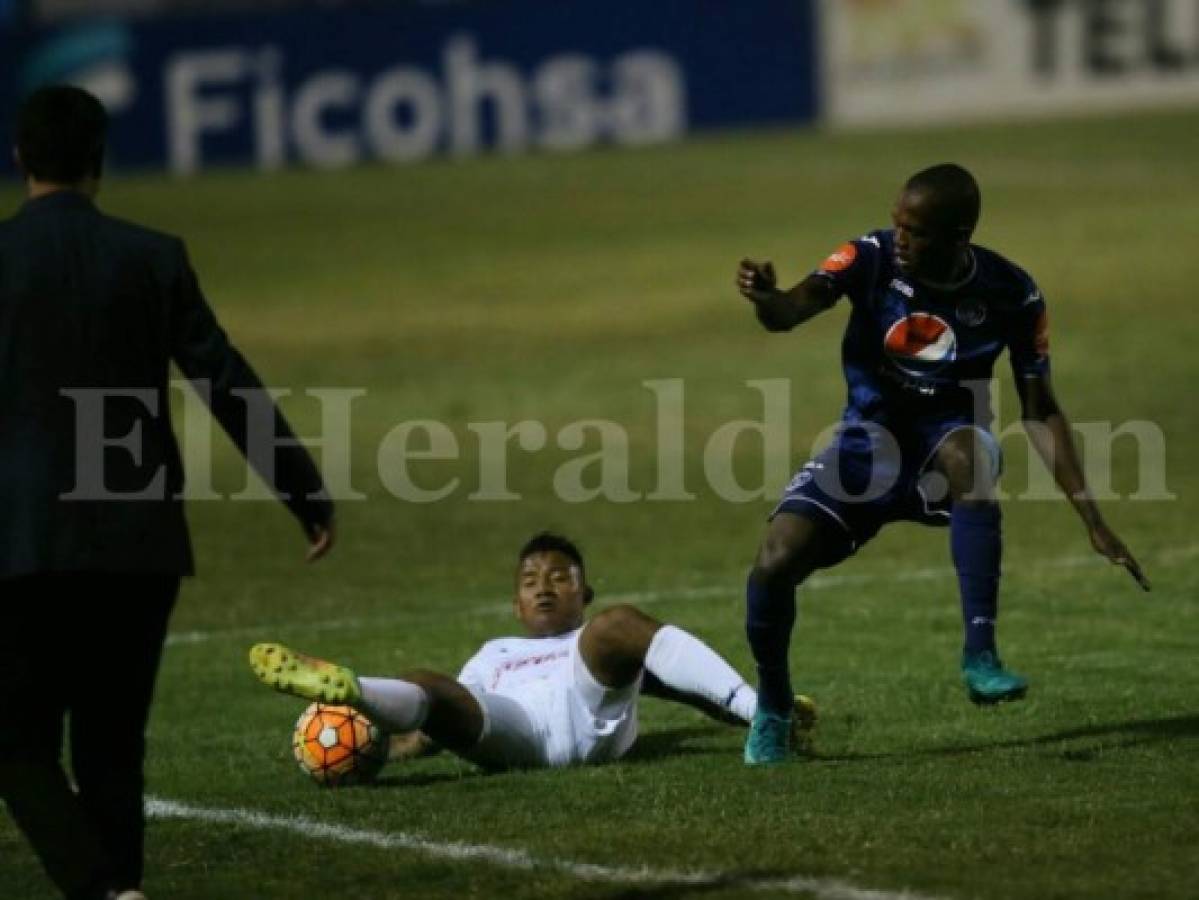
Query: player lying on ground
x,y
930,313
565,694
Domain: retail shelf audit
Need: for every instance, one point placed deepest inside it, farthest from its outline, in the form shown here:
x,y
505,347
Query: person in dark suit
x,y
93,541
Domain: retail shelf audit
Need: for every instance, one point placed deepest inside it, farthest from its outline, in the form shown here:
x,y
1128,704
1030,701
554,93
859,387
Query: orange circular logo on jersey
x,y
841,258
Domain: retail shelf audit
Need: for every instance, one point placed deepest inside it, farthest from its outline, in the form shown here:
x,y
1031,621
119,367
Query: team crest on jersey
x,y
841,258
803,476
921,344
971,312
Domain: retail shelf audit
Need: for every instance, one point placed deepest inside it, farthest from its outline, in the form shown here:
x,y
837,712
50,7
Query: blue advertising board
x,y
330,88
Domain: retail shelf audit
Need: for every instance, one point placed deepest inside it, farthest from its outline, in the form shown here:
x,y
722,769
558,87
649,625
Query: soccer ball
x,y
337,745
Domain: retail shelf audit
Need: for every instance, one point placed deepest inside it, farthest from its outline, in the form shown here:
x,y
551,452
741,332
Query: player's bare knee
x,y
773,556
962,461
621,628
784,557
614,643
625,616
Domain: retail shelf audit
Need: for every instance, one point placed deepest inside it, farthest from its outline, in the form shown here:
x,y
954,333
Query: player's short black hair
x,y
548,542
61,131
955,190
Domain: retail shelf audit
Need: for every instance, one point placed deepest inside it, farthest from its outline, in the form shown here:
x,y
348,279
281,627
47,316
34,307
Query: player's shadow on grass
x,y
674,742
650,746
396,780
1134,733
677,890
397,776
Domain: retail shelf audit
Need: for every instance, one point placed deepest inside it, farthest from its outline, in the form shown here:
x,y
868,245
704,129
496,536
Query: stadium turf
x,y
550,289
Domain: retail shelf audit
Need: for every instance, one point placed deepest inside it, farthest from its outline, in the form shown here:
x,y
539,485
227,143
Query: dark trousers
x,y
84,649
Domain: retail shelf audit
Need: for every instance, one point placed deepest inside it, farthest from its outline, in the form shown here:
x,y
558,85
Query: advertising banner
x,y
916,61
330,88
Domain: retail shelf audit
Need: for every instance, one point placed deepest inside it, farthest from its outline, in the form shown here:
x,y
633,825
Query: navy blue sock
x,y
769,618
976,545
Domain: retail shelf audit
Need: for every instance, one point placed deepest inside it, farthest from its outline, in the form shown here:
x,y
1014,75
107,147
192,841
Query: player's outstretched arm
x,y
782,310
1049,430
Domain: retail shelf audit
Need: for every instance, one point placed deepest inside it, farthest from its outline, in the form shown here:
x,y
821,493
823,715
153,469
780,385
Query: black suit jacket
x,y
91,302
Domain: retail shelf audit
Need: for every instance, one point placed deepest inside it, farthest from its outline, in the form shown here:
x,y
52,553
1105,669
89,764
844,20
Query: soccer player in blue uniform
x,y
930,312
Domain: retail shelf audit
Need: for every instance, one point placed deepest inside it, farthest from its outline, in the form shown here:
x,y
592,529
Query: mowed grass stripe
x,y
1164,557
507,857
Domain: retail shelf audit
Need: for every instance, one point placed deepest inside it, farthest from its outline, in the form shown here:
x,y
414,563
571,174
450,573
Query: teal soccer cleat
x,y
988,682
768,739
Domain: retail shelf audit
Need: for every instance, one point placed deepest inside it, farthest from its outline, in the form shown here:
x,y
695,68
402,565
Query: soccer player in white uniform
x,y
564,694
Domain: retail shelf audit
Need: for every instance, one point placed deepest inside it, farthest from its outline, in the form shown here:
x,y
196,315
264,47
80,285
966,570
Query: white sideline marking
x,y
1166,556
509,858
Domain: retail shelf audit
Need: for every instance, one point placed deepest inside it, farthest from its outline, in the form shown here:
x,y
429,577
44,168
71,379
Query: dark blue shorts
x,y
869,476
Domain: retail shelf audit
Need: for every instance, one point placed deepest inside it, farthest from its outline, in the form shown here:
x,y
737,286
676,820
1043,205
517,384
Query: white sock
x,y
685,663
394,705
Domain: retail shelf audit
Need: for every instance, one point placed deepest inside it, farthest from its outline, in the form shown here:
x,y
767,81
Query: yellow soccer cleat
x,y
803,724
286,670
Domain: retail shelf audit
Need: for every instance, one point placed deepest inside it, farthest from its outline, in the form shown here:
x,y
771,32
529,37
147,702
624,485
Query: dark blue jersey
x,y
914,351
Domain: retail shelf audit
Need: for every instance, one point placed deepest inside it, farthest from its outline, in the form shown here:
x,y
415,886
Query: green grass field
x,y
550,288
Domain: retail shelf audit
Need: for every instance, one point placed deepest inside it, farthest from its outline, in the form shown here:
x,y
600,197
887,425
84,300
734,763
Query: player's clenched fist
x,y
756,281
